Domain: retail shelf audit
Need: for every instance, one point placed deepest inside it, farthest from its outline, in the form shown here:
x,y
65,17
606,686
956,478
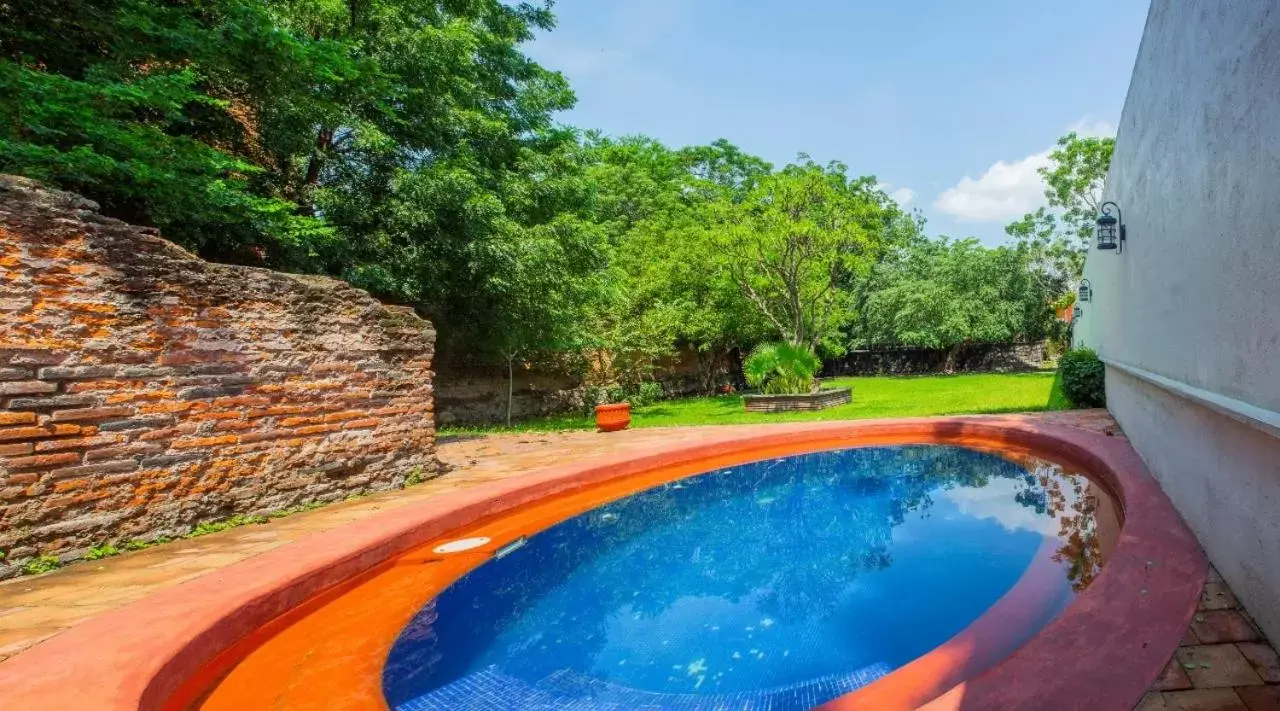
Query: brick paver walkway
x,y
1224,664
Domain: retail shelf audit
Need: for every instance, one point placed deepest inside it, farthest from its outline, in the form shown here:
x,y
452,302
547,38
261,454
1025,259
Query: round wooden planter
x,y
611,418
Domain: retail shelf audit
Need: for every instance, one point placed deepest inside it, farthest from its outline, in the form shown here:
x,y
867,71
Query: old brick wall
x,y
143,391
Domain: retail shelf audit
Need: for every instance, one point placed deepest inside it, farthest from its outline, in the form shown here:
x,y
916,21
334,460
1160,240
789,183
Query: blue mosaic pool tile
x,y
491,690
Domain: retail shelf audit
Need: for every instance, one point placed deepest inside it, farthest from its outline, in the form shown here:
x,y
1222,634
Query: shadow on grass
x,y
1057,398
1022,374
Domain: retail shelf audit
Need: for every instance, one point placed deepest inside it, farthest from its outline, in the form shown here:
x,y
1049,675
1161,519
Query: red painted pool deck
x,y
1223,663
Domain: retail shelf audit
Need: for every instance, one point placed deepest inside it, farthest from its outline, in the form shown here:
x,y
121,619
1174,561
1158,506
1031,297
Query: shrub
x,y
42,564
1083,377
645,394
781,368
106,550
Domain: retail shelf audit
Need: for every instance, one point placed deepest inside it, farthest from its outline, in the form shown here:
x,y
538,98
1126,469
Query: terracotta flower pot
x,y
611,418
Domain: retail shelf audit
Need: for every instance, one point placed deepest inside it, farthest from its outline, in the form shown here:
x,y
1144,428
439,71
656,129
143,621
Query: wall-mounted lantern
x,y
1085,292
1076,313
1111,228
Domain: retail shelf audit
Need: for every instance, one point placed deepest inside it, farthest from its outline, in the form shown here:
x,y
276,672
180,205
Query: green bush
x,y
781,369
645,394
641,395
106,550
42,564
1083,378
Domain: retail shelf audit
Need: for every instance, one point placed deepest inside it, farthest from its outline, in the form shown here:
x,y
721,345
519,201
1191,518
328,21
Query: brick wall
x,y
143,391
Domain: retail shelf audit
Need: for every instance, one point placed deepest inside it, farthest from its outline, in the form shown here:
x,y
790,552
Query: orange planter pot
x,y
611,418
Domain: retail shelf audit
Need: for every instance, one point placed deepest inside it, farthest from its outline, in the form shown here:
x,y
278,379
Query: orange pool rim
x,y
1102,652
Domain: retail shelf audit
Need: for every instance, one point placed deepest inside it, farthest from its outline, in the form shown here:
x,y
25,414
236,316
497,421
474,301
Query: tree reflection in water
x,y
785,539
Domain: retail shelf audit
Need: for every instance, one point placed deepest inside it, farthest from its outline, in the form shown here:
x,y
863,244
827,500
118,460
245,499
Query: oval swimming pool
x,y
778,584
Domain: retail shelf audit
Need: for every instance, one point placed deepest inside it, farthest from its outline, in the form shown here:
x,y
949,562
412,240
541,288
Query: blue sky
x,y
951,104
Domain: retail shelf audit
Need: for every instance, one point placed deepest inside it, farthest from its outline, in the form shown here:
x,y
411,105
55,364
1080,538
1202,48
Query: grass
x,y
875,397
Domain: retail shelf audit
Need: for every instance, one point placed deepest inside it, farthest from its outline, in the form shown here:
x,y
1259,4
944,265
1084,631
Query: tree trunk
x,y
953,354
510,385
323,141
707,362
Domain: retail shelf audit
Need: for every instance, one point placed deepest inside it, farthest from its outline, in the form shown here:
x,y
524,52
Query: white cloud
x,y
902,196
1005,191
1009,190
996,501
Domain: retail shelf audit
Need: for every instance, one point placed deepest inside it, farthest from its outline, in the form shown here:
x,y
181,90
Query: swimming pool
x,y
343,619
777,584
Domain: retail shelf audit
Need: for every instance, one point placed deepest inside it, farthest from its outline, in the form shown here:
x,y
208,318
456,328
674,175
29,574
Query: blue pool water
x,y
779,584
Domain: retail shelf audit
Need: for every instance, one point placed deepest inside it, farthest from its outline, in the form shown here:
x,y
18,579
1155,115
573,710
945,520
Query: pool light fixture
x,y
1111,228
510,548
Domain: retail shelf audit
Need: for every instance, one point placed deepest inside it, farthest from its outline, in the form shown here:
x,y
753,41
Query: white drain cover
x,y
460,545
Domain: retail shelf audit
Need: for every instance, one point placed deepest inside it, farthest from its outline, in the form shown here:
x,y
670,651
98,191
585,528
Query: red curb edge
x,y
1103,652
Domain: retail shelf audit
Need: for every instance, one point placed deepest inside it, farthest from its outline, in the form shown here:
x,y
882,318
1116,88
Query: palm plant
x,y
781,368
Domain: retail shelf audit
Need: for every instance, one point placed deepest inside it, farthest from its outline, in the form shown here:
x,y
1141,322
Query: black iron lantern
x,y
1076,313
1111,228
1085,292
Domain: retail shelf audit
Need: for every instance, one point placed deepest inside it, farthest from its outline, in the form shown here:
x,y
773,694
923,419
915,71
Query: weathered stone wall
x,y
976,358
470,392
143,391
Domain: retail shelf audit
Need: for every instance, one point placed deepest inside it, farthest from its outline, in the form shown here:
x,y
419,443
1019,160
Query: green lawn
x,y
907,396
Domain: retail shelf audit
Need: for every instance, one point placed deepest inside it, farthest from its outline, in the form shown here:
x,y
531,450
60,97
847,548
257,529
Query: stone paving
x,y
1224,663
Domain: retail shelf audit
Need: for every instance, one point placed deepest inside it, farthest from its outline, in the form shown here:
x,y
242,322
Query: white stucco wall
x,y
1188,317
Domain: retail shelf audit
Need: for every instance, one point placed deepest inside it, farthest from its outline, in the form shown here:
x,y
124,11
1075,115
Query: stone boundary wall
x,y
144,391
977,358
469,392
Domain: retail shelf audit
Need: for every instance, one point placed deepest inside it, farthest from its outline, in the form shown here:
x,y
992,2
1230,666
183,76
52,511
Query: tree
x,y
1059,238
1075,178
542,296
944,294
679,290
144,106
797,240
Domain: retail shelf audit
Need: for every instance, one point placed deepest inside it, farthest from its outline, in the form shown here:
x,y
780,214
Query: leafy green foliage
x,y
781,368
410,147
414,477
798,240
1058,237
236,521
640,395
106,550
1083,378
41,564
135,103
1074,180
943,294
